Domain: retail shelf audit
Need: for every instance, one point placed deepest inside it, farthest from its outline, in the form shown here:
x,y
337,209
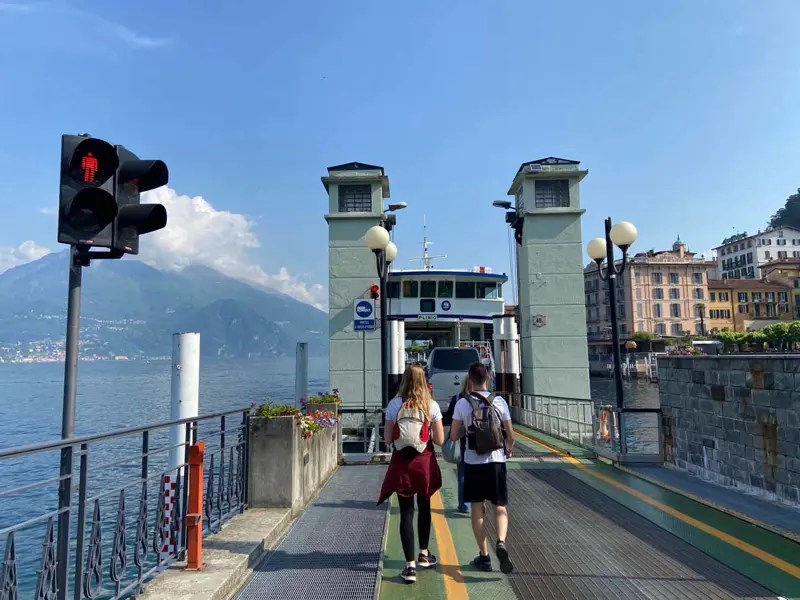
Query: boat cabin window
x,y
427,305
411,289
394,289
445,289
427,289
454,359
487,291
465,289
355,198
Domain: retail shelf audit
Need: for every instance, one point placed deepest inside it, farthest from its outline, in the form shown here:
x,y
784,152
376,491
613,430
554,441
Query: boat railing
x,y
110,511
361,435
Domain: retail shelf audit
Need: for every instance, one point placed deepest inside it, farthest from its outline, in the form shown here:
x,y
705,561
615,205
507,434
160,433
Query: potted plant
x,y
324,401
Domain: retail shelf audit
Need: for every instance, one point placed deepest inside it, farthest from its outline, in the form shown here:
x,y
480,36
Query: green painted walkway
x,y
581,528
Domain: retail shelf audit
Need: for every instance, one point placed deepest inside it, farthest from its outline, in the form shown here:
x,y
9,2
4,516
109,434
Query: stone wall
x,y
734,420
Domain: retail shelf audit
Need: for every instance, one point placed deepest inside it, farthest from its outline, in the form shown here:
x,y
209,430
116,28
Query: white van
x,y
446,369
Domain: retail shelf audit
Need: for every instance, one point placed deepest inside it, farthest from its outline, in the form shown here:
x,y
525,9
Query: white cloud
x,y
24,253
89,22
48,211
197,233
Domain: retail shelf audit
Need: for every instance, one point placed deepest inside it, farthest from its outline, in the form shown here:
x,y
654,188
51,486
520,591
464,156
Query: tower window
x,y
552,193
355,198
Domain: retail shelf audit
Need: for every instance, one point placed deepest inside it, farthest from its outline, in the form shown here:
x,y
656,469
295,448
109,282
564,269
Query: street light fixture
x,y
623,234
385,250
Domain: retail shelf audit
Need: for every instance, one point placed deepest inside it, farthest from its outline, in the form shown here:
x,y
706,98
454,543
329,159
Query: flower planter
x,y
330,407
287,470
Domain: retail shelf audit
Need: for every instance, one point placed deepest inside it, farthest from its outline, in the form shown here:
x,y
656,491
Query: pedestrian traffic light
x,y
86,205
134,219
374,291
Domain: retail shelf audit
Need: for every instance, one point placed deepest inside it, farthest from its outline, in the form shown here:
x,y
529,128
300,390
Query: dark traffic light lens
x,y
91,210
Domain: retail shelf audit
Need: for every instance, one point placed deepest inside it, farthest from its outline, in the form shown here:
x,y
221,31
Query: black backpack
x,y
486,431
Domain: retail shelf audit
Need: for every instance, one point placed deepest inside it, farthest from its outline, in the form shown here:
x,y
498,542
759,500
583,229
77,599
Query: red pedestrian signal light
x,y
374,291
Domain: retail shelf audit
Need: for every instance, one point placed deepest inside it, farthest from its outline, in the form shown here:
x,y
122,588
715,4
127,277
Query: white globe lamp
x,y
596,249
377,238
624,234
391,251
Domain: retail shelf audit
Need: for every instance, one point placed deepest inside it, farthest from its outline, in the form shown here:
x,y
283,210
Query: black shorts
x,y
486,482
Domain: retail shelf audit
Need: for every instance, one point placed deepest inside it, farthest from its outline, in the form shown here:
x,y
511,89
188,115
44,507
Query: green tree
x,y
789,214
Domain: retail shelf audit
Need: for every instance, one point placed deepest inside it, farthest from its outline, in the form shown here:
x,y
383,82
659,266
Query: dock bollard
x,y
194,514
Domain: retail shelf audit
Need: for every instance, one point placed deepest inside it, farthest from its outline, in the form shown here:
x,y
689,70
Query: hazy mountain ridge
x,y
131,309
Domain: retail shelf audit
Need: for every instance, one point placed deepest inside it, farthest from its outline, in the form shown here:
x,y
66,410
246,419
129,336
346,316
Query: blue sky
x,y
684,112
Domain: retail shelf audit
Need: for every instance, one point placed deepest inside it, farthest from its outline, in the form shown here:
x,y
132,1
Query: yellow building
x,y
786,270
747,304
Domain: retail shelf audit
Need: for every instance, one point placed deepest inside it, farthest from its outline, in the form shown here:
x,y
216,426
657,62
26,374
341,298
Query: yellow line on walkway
x,y
721,535
454,586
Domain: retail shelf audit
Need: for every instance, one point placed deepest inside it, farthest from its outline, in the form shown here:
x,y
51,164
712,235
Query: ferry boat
x,y
446,308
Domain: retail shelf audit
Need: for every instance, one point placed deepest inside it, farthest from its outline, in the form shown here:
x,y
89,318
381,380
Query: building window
x,y
771,312
698,328
675,310
411,289
640,326
698,278
723,296
673,278
551,193
770,296
661,329
749,258
658,294
657,311
756,297
465,289
487,291
783,253
742,297
638,293
714,296
656,278
783,296
427,289
674,294
766,254
394,289
783,308
677,329
698,294
637,277
355,198
639,310
445,289
743,308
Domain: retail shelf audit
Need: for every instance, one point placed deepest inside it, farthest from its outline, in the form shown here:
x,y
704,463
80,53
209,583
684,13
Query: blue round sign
x,y
364,309
446,305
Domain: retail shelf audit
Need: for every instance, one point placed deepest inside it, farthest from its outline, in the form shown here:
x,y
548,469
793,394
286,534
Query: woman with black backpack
x,y
413,425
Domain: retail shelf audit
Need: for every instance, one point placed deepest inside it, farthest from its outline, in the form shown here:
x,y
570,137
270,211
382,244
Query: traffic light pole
x,y
77,261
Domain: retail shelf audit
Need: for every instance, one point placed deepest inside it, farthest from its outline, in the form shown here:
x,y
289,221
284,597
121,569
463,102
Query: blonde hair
x,y
414,390
466,387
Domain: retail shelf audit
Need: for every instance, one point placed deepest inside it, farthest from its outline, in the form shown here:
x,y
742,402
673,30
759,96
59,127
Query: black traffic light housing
x,y
99,201
134,218
86,204
374,291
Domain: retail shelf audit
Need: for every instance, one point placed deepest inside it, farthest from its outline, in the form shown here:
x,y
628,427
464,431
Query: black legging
x,y
407,523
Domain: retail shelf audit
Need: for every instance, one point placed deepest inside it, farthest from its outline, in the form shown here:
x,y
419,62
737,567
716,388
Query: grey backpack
x,y
486,431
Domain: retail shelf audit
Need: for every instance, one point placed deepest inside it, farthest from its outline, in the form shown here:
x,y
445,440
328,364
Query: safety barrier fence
x,y
134,494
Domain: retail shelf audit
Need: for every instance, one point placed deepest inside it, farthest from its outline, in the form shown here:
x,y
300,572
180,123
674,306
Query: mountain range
x,y
131,309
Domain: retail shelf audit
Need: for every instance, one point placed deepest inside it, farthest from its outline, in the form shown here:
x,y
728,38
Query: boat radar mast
x,y
426,258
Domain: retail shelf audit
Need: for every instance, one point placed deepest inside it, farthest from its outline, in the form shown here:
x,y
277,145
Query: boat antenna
x,y
426,258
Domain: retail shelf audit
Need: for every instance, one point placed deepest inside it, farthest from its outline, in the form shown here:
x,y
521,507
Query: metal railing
x,y
568,419
361,434
594,426
132,502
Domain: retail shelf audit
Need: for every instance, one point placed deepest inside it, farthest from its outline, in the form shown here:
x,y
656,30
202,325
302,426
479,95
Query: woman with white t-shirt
x,y
413,469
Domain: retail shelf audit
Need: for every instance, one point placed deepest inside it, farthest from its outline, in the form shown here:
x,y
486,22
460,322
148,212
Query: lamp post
x,y
377,240
623,234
